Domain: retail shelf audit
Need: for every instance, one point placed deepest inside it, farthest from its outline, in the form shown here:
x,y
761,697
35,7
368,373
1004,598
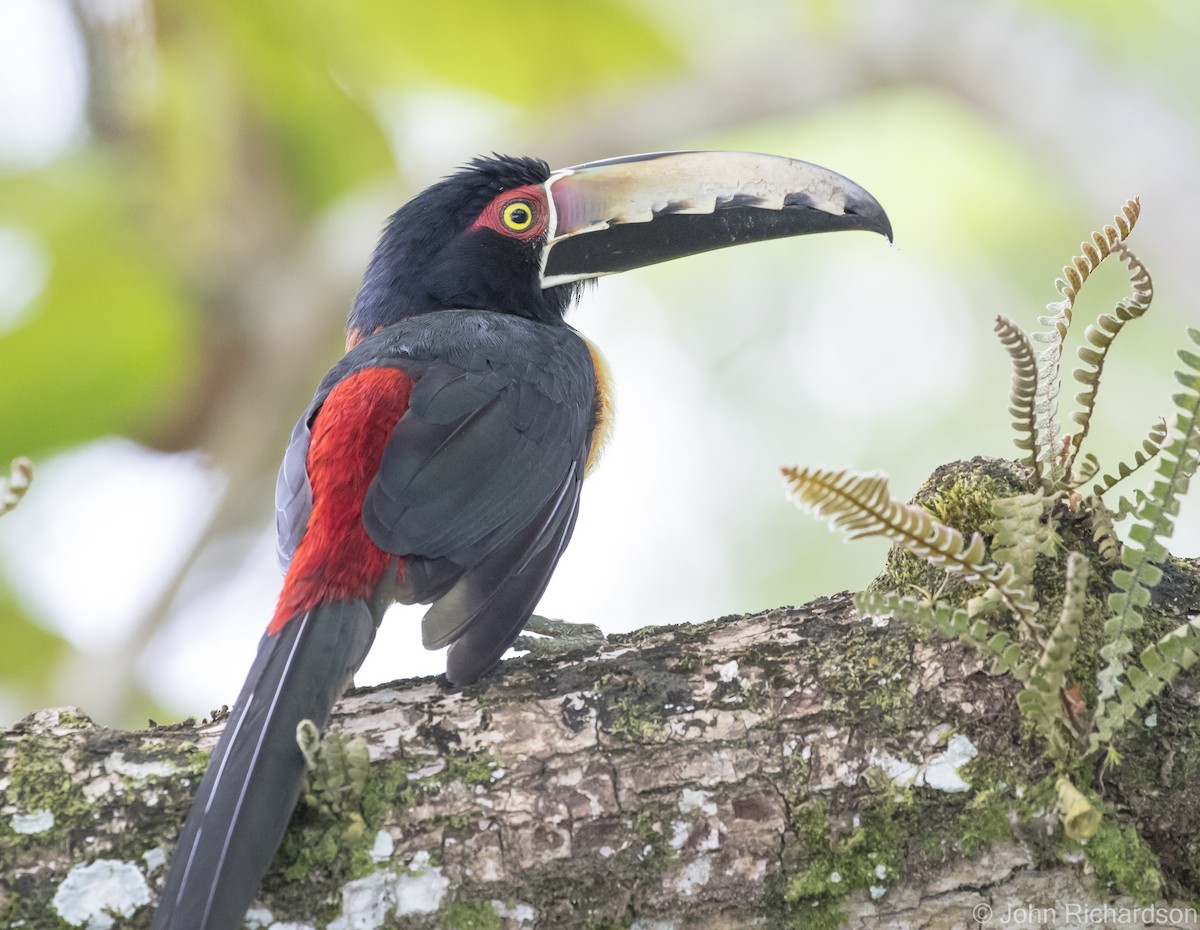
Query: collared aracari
x,y
442,458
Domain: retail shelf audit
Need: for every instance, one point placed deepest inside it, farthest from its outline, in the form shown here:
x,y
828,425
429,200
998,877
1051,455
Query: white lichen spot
x,y
367,902
691,799
422,889
881,871
290,925
789,747
942,772
519,912
694,876
93,895
101,787
117,764
877,891
383,846
37,822
899,771
607,852
835,877
154,858
680,830
1151,721
259,918
729,671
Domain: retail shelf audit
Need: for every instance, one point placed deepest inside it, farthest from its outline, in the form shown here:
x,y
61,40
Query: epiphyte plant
x,y
1007,621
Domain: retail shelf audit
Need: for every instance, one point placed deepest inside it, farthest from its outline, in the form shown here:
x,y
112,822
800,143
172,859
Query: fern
x,y
14,488
1041,700
1024,527
1088,469
1101,336
955,622
1020,534
1150,448
1145,552
1058,321
1104,533
1176,652
1022,394
860,505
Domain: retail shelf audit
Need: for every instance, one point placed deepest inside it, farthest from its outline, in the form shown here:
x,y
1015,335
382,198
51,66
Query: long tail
x,y
253,781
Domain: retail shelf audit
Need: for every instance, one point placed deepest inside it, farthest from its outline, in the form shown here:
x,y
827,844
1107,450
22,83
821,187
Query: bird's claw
x,y
556,638
336,768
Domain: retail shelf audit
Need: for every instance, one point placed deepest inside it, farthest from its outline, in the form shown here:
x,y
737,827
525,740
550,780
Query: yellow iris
x,y
518,215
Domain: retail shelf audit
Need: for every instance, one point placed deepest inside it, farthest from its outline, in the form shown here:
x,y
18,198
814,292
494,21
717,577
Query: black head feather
x,y
430,259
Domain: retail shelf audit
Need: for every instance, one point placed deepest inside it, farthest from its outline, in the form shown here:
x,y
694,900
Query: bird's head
x,y
509,235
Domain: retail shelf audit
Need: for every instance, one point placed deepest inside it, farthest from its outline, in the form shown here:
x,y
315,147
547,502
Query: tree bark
x,y
803,767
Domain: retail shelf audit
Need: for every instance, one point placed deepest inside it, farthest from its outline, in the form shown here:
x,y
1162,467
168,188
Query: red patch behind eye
x,y
492,216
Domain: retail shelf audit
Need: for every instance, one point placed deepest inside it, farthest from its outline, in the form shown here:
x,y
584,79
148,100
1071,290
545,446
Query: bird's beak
x,y
622,213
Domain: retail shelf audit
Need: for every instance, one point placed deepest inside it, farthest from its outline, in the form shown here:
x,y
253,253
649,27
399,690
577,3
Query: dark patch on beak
x,y
620,214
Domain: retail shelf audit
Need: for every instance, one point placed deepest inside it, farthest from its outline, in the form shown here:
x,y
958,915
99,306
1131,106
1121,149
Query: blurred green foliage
x,y
238,110
223,134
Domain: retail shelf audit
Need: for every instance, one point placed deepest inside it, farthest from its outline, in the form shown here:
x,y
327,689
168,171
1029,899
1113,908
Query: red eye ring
x,y
520,213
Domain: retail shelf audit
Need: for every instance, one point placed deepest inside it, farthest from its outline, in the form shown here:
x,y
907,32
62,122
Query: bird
x,y
441,459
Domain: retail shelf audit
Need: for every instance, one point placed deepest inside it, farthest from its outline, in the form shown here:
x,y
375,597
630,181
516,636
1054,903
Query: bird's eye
x,y
518,215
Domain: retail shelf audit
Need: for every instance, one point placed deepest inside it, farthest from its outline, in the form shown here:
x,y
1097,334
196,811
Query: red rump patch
x,y
335,559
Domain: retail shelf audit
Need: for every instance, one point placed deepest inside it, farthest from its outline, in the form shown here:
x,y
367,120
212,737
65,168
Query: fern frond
x,y
1019,534
17,483
1022,393
1041,701
1001,649
1176,652
1088,469
1150,448
1058,321
1101,336
1127,507
1145,551
860,505
1104,533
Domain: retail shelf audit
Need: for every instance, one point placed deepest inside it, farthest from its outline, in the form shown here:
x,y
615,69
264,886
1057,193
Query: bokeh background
x,y
189,192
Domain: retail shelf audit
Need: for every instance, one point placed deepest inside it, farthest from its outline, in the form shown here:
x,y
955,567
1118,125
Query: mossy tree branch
x,y
803,765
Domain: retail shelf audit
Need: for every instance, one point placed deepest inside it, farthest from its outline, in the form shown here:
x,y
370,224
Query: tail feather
x,y
253,781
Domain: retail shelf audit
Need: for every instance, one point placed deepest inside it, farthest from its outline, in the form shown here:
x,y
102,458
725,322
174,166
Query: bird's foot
x,y
558,638
337,770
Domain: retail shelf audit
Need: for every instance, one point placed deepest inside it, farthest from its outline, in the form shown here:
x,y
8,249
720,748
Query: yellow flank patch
x,y
604,408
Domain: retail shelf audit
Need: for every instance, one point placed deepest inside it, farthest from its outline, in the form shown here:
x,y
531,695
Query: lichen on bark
x,y
796,768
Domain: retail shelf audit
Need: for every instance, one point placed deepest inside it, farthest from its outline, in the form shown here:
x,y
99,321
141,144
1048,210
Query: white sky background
x,y
672,500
